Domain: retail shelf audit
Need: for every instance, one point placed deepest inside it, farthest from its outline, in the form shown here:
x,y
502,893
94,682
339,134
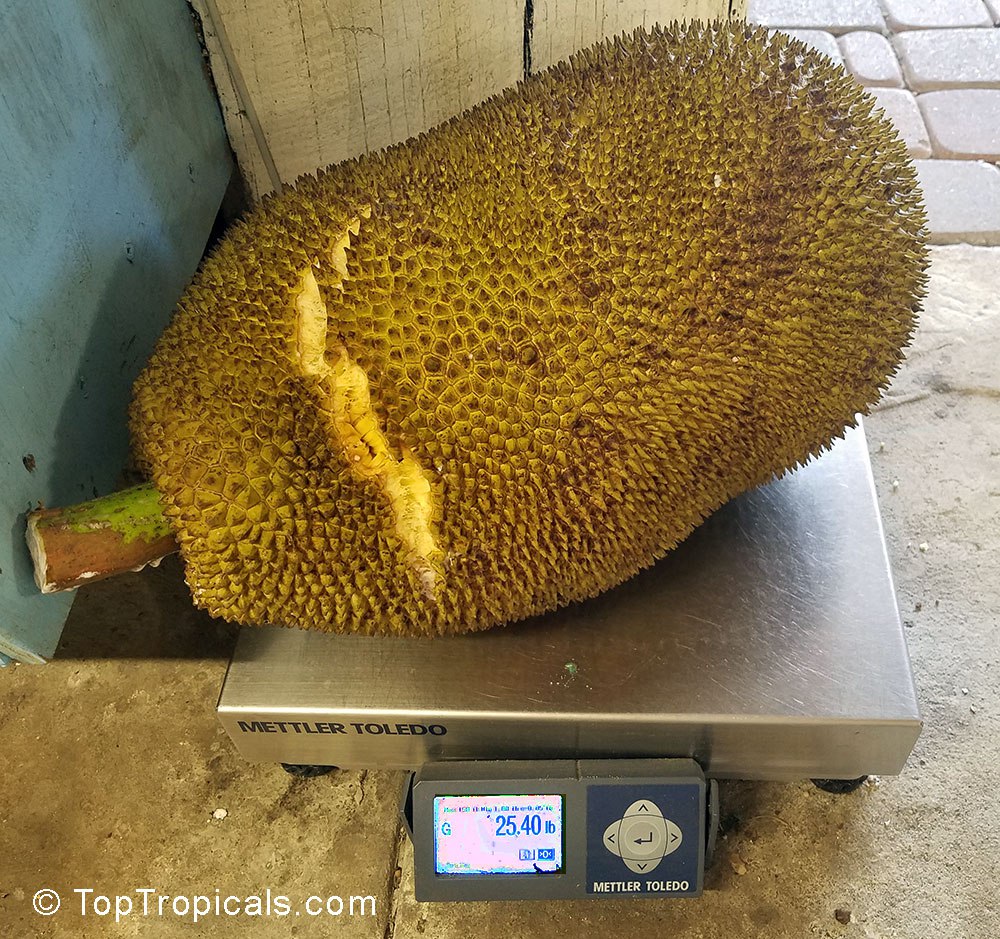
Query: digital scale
x,y
575,755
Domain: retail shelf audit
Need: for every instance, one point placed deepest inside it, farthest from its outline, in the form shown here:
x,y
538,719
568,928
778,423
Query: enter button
x,y
642,838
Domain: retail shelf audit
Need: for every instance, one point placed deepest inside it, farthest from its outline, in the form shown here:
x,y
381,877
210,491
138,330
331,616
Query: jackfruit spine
x,y
508,364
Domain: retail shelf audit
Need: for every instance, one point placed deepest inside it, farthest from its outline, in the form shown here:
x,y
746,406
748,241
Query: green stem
x,y
132,513
93,540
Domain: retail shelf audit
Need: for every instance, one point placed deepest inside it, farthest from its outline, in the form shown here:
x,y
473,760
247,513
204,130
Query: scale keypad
x,y
636,841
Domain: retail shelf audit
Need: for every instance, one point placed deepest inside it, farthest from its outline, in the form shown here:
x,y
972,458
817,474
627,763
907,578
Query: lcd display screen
x,y
498,834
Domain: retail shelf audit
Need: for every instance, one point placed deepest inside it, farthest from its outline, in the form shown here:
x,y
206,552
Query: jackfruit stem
x,y
94,540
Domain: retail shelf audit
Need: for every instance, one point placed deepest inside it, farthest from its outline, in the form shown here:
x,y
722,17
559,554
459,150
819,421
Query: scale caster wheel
x,y
306,770
839,787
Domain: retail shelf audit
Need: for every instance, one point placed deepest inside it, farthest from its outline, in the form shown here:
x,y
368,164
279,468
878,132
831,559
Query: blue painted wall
x,y
113,163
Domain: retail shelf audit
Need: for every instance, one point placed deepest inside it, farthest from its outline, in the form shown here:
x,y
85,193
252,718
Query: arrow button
x,y
643,807
674,837
641,867
611,837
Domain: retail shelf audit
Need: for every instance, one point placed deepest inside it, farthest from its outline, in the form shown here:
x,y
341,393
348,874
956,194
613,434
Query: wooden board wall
x,y
307,83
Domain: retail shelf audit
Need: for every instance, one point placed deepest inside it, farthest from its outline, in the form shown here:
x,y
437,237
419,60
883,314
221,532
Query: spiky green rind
x,y
592,309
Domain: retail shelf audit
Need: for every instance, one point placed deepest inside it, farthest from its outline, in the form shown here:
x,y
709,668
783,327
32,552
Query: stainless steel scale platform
x,y
767,646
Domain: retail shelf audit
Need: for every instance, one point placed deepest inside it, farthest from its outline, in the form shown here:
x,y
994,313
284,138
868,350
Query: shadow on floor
x,y
145,615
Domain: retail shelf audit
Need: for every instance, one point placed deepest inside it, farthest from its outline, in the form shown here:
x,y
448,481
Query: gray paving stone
x,y
994,7
934,14
962,199
818,39
834,16
901,108
949,58
871,59
963,122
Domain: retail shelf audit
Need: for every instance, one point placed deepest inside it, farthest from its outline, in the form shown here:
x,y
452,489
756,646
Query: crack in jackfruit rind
x,y
310,327
311,313
345,400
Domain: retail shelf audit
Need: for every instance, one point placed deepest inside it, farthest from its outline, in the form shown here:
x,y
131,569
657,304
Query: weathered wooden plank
x,y
114,164
561,27
328,80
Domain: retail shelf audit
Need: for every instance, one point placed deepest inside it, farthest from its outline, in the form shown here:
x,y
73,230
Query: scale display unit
x,y
767,646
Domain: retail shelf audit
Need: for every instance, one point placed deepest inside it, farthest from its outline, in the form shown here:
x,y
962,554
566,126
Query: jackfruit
x,y
507,364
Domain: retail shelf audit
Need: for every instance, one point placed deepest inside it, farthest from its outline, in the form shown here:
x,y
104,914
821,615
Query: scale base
x,y
767,646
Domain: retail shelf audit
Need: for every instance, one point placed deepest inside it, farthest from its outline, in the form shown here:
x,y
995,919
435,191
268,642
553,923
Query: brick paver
x,y
901,108
949,58
948,53
871,59
835,16
822,41
962,199
934,14
964,122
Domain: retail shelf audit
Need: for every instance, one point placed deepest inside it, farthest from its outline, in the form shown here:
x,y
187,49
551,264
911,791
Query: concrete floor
x,y
115,764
